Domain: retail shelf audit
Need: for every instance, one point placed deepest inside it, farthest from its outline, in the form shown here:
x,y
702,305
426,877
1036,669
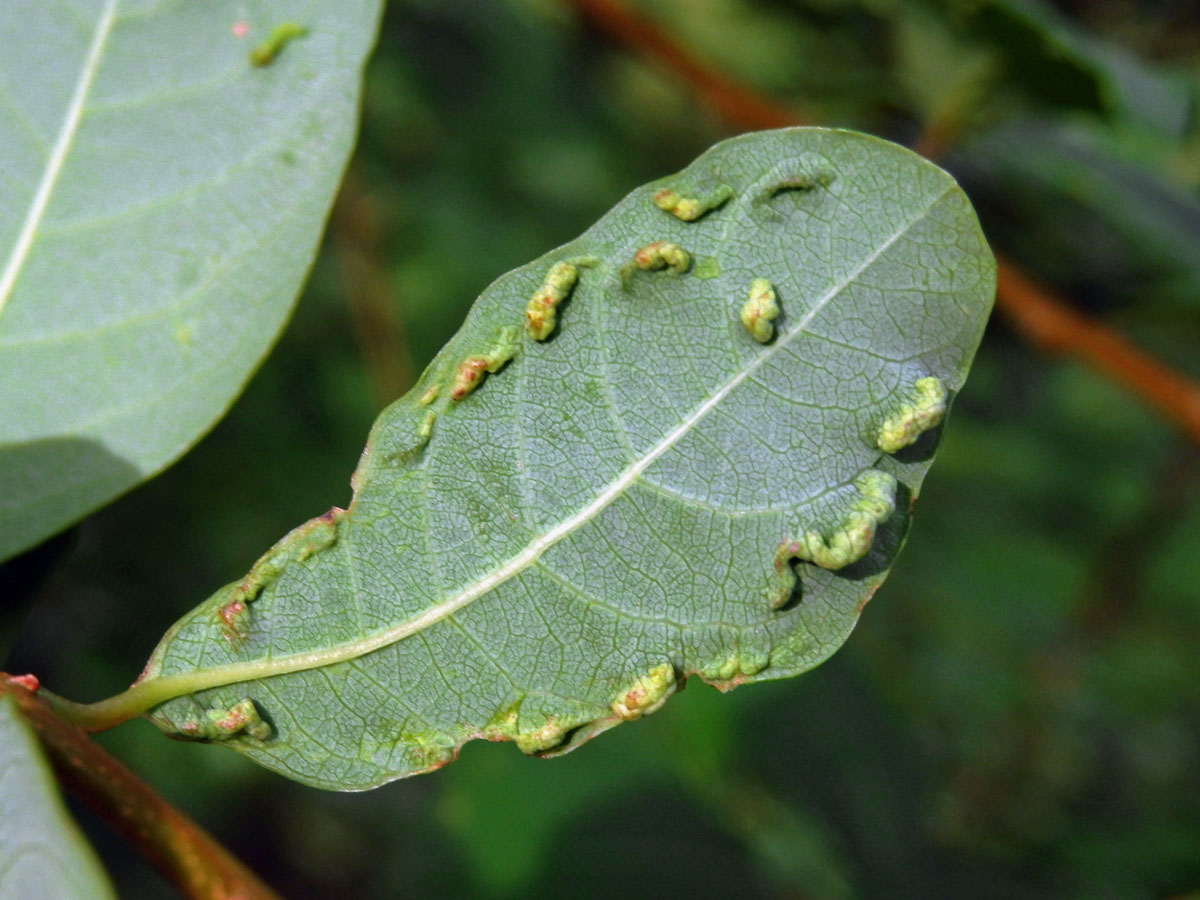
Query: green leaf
x,y
42,853
626,501
161,198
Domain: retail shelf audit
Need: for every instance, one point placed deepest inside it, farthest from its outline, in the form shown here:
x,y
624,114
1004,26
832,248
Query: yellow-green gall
x,y
851,541
471,370
502,726
281,35
297,545
541,311
647,694
222,724
846,544
432,753
926,410
799,181
547,737
425,429
760,310
691,208
662,255
467,376
742,664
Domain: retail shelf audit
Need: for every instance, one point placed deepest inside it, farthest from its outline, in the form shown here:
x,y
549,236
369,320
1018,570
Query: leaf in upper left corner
x,y
165,173
42,854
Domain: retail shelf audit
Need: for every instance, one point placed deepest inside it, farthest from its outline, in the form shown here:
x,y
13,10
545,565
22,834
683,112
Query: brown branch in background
x,y
1031,308
374,312
737,105
1056,328
185,853
936,137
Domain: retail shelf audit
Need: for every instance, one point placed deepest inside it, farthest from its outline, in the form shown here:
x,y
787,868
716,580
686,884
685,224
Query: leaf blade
x,y
163,208
611,465
42,853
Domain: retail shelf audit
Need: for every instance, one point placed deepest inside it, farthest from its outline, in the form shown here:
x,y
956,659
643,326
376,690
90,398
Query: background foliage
x,y
1016,714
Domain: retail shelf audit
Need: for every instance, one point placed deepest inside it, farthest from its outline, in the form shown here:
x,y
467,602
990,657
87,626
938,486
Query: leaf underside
x,y
625,501
161,199
42,853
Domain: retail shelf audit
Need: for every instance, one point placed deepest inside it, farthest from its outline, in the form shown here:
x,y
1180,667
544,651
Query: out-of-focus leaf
x,y
1127,88
946,76
161,197
42,854
1086,208
615,508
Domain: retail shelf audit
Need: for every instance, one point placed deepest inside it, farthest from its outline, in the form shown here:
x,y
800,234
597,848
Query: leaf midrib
x,y
159,689
58,155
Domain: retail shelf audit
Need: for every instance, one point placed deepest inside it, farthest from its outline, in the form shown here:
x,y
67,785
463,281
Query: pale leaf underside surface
x,y
42,853
603,515
161,199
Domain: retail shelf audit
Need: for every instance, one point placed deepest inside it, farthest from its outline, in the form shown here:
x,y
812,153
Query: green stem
x,y
145,695
105,713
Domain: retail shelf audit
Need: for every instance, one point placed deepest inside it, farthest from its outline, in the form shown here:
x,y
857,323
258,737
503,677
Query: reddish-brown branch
x,y
1031,308
937,136
737,105
183,851
1057,328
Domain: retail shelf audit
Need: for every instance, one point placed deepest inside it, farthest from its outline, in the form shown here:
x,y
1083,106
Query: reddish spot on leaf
x,y
29,682
240,29
468,375
443,762
230,615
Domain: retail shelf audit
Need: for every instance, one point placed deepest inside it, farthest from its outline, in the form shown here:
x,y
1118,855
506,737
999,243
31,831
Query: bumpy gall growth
x,y
647,694
471,370
760,310
281,35
691,208
663,255
847,544
222,724
541,313
927,409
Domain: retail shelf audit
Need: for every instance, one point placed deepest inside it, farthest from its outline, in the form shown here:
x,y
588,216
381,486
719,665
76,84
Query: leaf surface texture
x,y
623,499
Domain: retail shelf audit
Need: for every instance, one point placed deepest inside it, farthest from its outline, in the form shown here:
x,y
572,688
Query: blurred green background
x,y
1018,714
